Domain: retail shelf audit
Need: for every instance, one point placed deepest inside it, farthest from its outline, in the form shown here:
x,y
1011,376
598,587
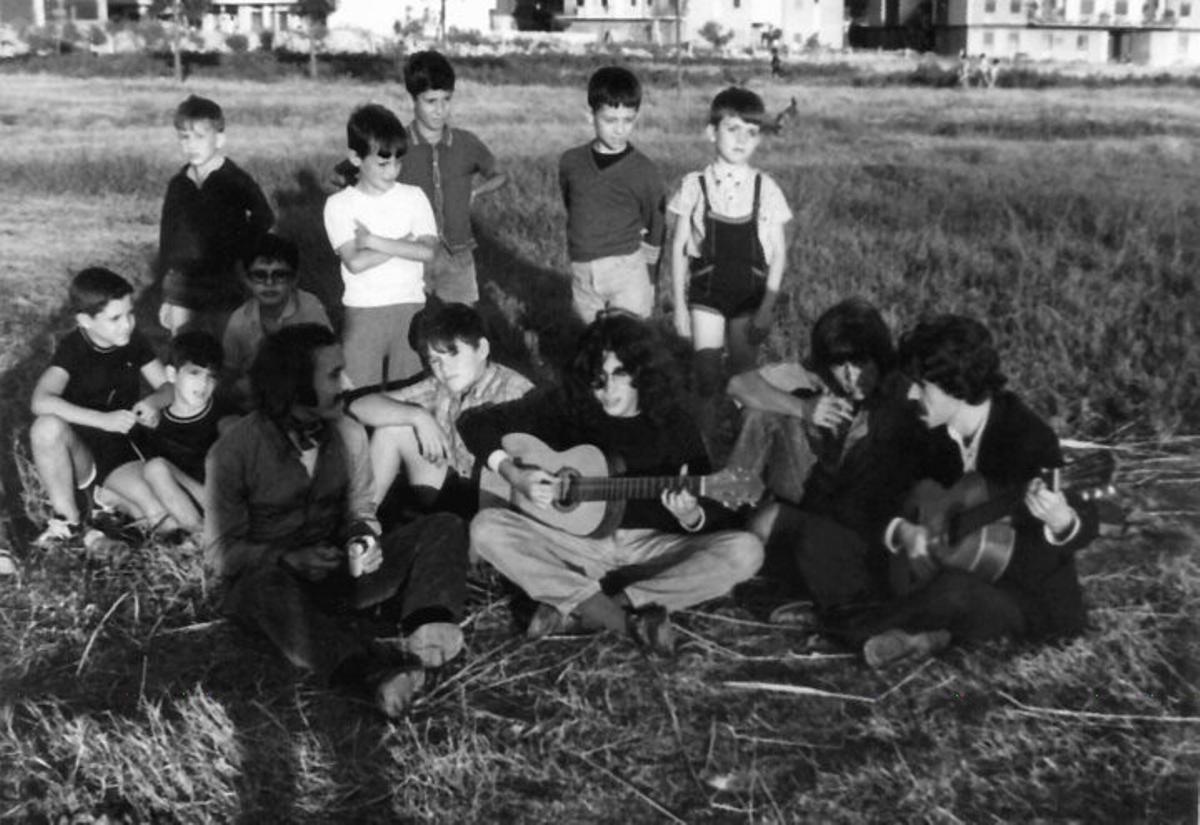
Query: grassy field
x,y
1068,219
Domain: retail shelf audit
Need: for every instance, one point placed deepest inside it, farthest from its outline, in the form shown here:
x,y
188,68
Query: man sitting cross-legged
x,y
833,440
415,426
290,529
976,426
621,393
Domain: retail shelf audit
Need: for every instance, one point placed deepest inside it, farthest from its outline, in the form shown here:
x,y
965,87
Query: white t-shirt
x,y
399,212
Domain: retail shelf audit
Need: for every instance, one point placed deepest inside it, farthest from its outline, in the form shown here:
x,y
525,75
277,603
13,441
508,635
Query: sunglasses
x,y
270,276
603,379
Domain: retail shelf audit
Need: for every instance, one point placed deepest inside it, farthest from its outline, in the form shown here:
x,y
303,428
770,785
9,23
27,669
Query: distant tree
x,y
315,13
716,34
184,15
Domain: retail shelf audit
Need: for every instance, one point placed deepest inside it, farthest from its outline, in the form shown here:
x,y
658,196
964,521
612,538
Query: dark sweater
x,y
205,229
645,450
610,211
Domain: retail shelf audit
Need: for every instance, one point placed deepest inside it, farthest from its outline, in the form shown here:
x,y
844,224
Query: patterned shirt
x,y
497,385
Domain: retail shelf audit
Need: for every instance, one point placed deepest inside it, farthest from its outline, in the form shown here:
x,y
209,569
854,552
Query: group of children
x,y
400,226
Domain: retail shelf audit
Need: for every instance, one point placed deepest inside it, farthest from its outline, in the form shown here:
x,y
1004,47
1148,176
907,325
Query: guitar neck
x,y
601,488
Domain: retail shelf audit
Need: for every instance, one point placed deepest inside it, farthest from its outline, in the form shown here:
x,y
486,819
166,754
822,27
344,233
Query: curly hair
x,y
646,356
957,354
282,372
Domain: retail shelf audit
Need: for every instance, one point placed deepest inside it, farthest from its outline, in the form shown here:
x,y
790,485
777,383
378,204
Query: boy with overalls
x,y
728,252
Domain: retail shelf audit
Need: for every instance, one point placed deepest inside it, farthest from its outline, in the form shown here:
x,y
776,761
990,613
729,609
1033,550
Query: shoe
x,y
58,532
546,621
394,688
893,646
651,628
435,643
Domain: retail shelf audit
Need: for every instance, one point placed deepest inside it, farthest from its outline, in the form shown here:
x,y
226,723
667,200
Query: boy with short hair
x,y
415,426
86,403
728,251
272,269
444,161
384,232
614,198
212,215
187,428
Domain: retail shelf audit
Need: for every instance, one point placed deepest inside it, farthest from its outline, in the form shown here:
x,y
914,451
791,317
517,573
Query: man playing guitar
x,y
977,427
621,392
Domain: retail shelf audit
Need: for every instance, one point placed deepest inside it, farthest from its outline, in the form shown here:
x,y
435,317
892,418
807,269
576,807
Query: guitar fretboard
x,y
640,487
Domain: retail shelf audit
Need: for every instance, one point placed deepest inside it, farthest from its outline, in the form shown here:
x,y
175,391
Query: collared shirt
x,y
497,385
969,448
245,330
446,171
261,502
731,195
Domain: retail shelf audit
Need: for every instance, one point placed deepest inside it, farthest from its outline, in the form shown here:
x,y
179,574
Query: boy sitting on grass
x,y
415,426
384,232
728,252
187,429
212,216
86,403
614,198
275,302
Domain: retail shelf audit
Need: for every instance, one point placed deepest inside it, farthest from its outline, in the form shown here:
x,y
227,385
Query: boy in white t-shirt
x,y
384,232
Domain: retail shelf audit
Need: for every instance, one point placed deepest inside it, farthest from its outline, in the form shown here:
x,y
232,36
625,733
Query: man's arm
x,y
360,499
490,183
378,409
359,260
228,551
679,274
754,392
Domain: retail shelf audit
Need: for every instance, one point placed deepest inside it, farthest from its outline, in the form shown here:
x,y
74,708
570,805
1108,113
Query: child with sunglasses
x,y
385,233
275,302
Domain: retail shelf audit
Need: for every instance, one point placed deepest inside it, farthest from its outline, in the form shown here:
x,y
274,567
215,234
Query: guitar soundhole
x,y
567,501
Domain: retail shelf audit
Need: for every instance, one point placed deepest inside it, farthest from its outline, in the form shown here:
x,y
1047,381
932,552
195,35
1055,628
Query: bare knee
x,y
157,471
743,556
48,431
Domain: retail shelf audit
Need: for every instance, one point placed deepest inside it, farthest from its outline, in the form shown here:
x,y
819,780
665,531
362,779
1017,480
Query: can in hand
x,y
356,552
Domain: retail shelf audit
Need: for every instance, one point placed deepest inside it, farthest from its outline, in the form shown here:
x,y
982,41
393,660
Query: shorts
x,y
109,451
451,277
731,297
375,341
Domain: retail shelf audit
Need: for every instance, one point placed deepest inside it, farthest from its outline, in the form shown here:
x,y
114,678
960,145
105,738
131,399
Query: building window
x,y
1121,8
1081,42
1014,42
1014,6
737,4
989,39
1087,7
1185,9
989,6
1183,42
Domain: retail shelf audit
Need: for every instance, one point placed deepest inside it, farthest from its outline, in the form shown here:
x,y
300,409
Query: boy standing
x,y
212,215
728,251
187,428
418,433
614,198
275,302
444,162
86,402
384,232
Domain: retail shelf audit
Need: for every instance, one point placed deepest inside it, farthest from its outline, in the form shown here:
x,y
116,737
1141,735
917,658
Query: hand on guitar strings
x,y
1049,507
914,538
682,504
533,483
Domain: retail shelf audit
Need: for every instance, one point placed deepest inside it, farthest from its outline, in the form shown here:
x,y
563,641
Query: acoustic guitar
x,y
966,525
588,499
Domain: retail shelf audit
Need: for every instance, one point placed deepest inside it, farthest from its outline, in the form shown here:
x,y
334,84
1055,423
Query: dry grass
x,y
1066,218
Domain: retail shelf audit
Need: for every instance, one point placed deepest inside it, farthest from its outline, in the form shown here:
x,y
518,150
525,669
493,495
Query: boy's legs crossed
x,y
63,461
130,486
678,570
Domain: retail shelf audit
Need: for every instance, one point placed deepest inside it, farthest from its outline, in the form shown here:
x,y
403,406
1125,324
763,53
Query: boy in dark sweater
x,y
614,197
621,394
212,216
